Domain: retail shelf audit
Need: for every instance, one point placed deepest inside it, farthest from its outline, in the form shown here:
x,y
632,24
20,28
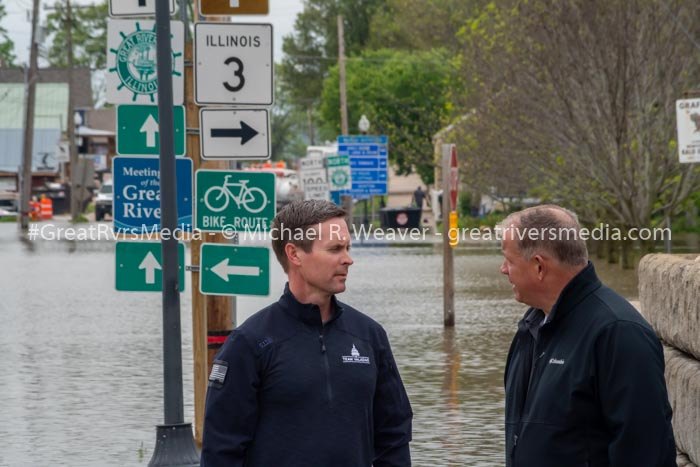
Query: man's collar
x,y
308,313
582,284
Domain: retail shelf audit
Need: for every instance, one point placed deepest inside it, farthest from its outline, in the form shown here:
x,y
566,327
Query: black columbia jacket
x,y
587,388
287,391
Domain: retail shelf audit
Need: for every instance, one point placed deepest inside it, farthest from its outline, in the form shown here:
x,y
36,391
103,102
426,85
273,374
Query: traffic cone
x,y
46,208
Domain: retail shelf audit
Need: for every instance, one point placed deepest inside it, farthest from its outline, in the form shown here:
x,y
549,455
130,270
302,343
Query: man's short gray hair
x,y
300,216
548,228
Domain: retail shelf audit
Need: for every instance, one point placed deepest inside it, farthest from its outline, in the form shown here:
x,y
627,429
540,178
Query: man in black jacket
x,y
307,381
584,377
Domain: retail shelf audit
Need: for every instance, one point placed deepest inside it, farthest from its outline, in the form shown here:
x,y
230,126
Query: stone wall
x,y
669,293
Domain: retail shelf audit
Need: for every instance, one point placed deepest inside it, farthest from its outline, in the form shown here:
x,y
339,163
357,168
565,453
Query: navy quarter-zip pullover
x,y
287,390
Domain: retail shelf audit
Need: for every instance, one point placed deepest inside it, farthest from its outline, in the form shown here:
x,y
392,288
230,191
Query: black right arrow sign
x,y
245,132
142,2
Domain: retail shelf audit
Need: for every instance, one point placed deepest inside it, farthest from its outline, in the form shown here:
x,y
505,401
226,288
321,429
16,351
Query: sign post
x,y
449,154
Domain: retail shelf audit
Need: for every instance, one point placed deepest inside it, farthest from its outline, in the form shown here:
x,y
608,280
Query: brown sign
x,y
233,7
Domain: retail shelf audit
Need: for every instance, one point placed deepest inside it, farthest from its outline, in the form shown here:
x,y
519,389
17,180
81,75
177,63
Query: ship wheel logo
x,y
136,62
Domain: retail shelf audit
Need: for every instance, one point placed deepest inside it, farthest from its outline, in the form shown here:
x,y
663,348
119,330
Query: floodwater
x,y
81,371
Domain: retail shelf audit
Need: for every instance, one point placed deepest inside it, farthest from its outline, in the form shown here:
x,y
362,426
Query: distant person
x,y
418,197
308,381
584,377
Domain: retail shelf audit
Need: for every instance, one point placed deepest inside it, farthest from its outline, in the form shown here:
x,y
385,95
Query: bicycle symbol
x,y
253,199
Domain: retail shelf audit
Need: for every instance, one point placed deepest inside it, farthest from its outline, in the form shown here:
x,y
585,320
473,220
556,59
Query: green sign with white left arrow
x,y
234,270
139,266
138,128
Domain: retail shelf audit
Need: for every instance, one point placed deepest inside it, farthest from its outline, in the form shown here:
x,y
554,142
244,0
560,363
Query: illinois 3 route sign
x,y
233,64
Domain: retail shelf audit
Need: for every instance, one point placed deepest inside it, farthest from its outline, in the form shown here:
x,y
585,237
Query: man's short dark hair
x,y
297,217
556,230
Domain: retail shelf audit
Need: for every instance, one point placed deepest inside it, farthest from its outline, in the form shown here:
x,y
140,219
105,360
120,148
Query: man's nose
x,y
347,259
504,269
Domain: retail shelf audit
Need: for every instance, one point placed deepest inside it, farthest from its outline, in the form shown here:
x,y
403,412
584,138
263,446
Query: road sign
x,y
139,266
233,64
137,194
369,162
131,61
314,178
135,7
137,130
234,201
688,123
233,7
339,173
234,270
454,178
234,133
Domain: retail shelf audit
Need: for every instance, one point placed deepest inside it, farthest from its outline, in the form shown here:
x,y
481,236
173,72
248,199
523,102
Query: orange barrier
x,y
34,210
46,208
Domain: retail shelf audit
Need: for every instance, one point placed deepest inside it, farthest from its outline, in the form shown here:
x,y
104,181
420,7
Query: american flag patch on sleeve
x,y
218,372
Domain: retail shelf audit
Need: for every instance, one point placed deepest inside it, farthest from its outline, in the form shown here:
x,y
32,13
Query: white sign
x,y
234,133
62,152
135,7
688,122
131,62
233,64
314,180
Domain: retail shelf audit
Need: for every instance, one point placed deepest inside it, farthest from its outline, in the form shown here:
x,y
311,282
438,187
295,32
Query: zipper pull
x,y
323,345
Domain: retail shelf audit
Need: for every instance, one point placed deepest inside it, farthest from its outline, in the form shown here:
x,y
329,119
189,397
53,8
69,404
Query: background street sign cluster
x,y
368,158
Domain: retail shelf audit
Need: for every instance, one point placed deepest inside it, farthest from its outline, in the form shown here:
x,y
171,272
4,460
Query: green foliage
x,y
89,29
490,220
403,94
7,56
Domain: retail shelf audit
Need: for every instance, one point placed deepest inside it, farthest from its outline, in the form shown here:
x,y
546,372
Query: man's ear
x,y
540,266
292,252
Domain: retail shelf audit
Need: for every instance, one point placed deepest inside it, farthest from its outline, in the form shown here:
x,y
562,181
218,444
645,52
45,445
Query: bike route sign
x,y
137,194
234,201
138,128
135,7
368,164
139,266
131,62
234,133
233,64
234,270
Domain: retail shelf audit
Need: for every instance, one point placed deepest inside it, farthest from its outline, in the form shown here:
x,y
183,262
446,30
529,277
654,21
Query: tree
x,y
7,56
583,93
403,94
89,28
313,48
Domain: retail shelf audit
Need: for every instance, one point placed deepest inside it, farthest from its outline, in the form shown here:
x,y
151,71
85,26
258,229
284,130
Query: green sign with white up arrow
x,y
234,270
138,130
139,266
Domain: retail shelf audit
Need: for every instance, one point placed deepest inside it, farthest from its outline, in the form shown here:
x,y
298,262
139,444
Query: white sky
x,y
18,24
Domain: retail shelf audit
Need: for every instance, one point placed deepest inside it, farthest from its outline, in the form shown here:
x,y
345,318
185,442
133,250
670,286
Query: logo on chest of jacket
x,y
556,361
355,357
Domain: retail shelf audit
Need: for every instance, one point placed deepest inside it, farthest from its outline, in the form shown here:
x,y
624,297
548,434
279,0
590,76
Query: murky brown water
x,y
80,364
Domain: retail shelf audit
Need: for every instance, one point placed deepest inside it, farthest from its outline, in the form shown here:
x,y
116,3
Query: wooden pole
x,y
341,72
448,291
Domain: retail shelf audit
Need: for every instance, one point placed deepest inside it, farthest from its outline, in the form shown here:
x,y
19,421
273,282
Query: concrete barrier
x,y
683,381
669,292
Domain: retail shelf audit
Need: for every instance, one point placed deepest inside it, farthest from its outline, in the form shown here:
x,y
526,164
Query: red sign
x,y
454,178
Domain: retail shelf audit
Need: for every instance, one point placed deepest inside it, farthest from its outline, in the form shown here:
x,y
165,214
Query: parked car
x,y
103,202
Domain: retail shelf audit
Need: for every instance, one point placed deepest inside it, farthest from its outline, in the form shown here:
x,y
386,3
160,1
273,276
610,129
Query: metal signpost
x,y
128,8
139,266
138,192
233,64
234,201
138,128
234,270
132,76
234,133
449,157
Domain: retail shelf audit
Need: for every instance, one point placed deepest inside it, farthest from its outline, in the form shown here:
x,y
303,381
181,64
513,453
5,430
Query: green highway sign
x,y
234,201
139,266
339,173
234,270
138,128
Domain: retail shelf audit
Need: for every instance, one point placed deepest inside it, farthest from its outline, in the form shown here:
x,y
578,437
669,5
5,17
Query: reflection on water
x,y
81,375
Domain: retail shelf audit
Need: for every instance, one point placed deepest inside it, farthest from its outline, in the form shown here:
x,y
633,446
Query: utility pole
x,y
29,100
341,72
76,196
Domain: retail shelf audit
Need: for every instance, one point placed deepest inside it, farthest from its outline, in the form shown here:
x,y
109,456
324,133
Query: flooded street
x,y
81,371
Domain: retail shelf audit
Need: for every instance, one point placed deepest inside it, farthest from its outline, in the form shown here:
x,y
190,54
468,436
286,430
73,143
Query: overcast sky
x,y
18,24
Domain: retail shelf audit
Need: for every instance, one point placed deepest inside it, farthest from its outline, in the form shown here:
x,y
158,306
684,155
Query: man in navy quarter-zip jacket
x,y
308,381
584,378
